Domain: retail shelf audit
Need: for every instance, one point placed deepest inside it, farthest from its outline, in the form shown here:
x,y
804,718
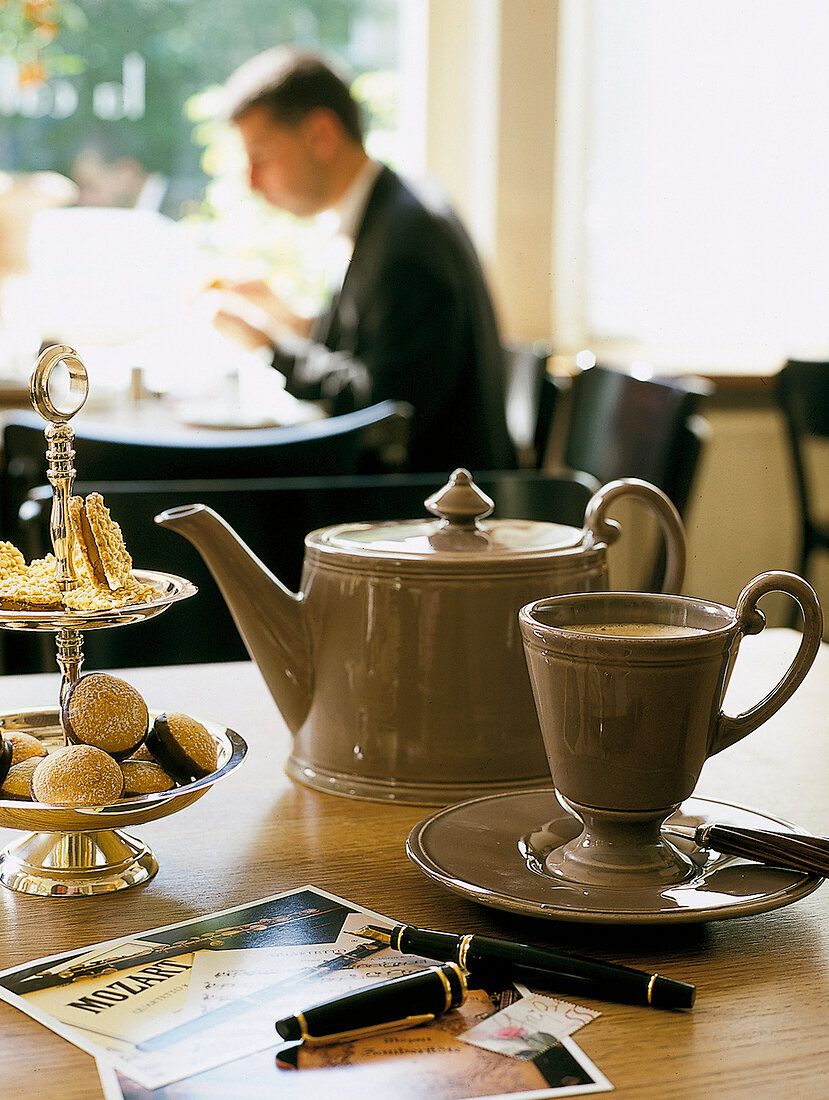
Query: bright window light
x,y
707,155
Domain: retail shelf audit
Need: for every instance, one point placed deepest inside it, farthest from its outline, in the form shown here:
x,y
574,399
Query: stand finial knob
x,y
42,384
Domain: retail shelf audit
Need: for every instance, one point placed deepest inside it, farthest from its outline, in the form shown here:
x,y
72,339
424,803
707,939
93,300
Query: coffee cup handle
x,y
751,621
607,530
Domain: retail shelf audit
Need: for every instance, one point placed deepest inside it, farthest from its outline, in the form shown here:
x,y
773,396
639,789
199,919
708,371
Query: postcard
x,y
188,1010
510,1030
425,1063
127,1000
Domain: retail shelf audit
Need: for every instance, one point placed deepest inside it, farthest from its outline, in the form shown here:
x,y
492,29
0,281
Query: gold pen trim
x,y
379,935
651,984
447,988
361,1032
463,950
462,980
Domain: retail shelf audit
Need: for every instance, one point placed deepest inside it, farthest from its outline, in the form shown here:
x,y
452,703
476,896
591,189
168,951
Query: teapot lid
x,y
459,530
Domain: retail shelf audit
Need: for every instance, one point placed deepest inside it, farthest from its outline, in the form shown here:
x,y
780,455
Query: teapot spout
x,y
270,618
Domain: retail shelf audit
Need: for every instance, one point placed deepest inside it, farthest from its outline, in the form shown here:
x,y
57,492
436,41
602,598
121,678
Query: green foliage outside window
x,y
29,33
137,78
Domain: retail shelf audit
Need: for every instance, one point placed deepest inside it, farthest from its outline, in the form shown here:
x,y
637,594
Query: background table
x,y
758,1027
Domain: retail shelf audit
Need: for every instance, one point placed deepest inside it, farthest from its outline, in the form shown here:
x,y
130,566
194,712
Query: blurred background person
x,y
109,171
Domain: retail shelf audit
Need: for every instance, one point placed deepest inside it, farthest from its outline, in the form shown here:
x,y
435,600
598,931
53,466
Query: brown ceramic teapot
x,y
399,667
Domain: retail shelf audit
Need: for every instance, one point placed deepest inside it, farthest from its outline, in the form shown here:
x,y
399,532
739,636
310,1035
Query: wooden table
x,y
758,1027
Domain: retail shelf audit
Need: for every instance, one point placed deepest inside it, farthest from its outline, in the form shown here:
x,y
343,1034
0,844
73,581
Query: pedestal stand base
x,y
73,864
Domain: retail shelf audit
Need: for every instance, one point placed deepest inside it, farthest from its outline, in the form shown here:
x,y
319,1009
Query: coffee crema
x,y
636,630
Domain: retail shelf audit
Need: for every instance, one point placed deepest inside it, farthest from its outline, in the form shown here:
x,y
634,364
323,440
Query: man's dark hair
x,y
290,85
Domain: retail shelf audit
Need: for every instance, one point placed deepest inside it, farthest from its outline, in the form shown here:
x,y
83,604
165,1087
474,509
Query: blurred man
x,y
411,318
110,174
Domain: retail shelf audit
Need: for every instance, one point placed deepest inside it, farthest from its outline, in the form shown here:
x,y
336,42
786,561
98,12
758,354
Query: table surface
x,y
757,1028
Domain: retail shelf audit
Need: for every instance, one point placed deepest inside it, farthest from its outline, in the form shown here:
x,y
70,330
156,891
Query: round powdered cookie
x,y
23,746
5,757
78,775
106,712
143,753
183,746
17,784
145,777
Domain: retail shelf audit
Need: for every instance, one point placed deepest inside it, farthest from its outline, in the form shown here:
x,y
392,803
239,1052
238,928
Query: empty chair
x,y
622,426
272,516
369,440
803,395
528,400
549,403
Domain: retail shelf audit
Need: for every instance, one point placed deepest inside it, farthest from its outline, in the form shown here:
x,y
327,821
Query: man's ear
x,y
324,132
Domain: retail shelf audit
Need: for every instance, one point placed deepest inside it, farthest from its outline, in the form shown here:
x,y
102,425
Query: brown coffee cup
x,y
629,690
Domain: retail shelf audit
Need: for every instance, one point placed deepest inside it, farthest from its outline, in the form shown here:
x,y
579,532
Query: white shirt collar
x,y
352,205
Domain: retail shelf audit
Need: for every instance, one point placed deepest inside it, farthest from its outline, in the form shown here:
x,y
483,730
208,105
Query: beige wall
x,y
490,142
744,519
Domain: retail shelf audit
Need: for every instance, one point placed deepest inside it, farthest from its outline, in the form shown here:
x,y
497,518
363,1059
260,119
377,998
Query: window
x,y
129,67
128,108
700,218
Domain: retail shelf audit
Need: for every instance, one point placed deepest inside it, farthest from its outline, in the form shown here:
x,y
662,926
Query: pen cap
x,y
399,1002
669,993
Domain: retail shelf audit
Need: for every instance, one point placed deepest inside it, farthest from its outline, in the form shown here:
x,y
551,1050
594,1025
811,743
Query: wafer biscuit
x,y
101,542
92,597
101,564
34,590
11,560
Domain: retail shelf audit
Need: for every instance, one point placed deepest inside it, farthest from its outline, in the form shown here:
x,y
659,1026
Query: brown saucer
x,y
492,850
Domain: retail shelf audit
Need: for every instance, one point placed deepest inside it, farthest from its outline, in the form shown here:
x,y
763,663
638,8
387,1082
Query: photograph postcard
x,y
435,1061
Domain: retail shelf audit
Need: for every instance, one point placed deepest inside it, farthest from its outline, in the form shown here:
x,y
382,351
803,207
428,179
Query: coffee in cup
x,y
640,630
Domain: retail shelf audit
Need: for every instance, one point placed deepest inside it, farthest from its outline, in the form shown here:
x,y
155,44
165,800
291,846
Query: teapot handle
x,y
607,530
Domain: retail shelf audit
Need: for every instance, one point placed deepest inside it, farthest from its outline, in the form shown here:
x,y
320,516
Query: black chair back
x,y
623,426
370,440
529,406
549,403
272,516
802,392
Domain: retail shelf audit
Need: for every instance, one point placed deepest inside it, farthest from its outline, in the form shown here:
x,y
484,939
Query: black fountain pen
x,y
538,967
394,1004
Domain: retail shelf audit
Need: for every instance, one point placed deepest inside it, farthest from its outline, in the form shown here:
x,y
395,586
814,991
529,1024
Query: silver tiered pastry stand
x,y
72,851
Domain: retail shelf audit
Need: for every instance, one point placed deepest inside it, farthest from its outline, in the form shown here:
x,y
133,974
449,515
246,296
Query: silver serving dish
x,y
70,852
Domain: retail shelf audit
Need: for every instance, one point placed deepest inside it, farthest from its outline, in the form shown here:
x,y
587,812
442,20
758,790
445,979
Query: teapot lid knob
x,y
460,501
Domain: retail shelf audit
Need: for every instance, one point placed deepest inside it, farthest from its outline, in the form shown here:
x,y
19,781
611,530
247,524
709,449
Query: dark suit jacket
x,y
413,322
